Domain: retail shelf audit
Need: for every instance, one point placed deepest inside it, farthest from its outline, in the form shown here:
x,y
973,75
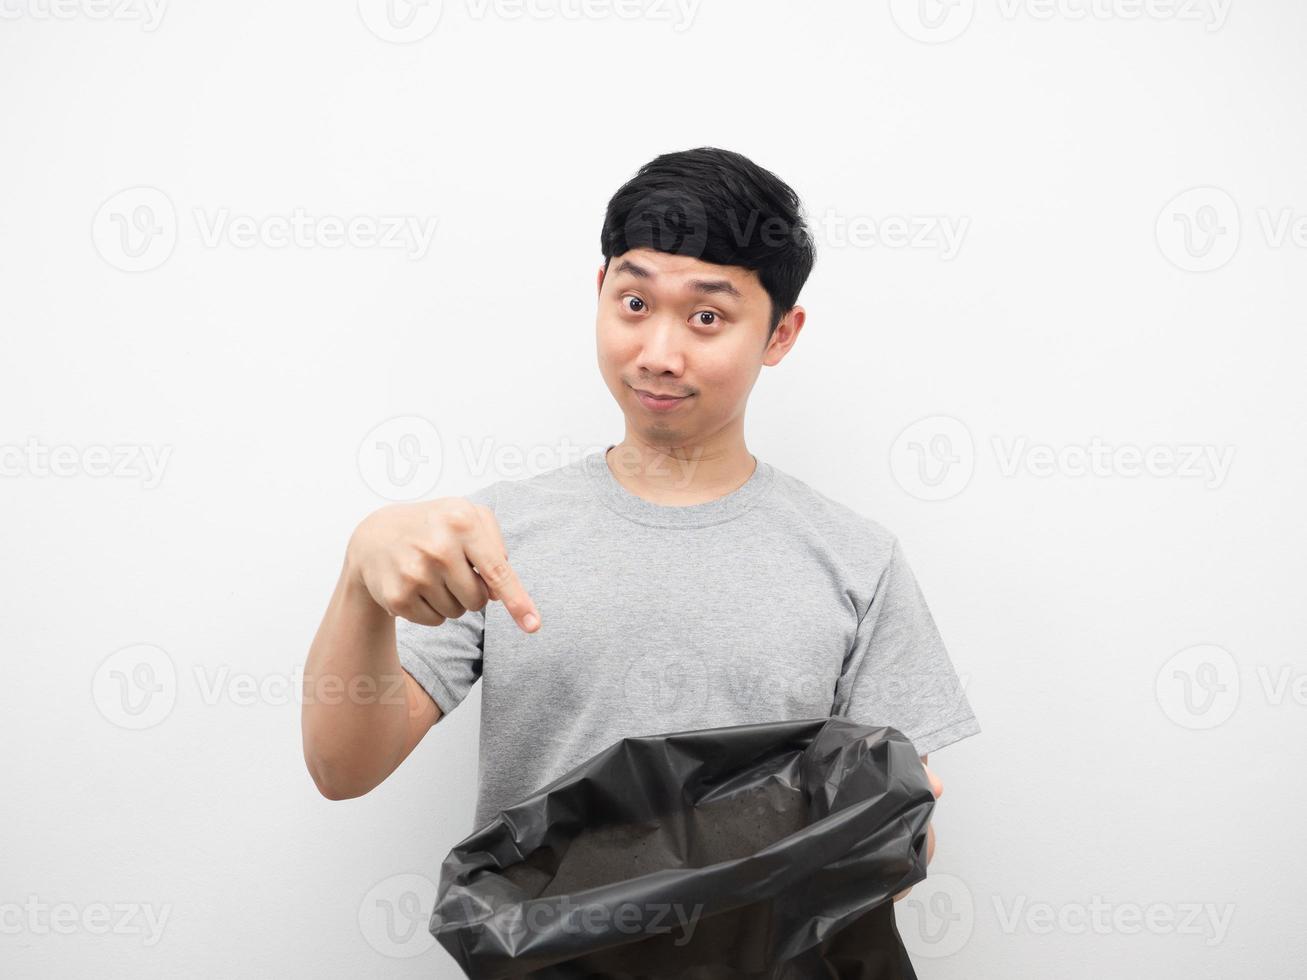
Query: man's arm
x,y
427,562
363,713
937,787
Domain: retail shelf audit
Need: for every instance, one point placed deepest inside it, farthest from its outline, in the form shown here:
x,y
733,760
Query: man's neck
x,y
679,476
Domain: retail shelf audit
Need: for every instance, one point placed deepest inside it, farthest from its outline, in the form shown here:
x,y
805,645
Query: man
x,y
674,581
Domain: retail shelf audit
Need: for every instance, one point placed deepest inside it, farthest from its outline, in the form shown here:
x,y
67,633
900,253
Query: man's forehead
x,y
686,271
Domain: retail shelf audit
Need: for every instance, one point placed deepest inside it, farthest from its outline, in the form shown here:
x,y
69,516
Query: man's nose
x,y
661,346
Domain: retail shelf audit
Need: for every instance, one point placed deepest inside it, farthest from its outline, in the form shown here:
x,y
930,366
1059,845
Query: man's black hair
x,y
720,207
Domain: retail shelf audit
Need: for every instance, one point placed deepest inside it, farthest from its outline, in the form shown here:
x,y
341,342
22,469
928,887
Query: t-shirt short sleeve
x,y
446,659
899,672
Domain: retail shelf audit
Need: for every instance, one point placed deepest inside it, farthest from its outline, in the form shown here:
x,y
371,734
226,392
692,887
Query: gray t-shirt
x,y
771,603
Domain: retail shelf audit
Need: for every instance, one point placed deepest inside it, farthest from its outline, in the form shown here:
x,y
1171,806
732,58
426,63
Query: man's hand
x,y
435,560
937,788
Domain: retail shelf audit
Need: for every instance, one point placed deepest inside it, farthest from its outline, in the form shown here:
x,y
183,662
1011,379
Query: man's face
x,y
677,326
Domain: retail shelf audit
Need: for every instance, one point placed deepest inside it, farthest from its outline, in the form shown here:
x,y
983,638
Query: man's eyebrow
x,y
639,271
698,285
714,286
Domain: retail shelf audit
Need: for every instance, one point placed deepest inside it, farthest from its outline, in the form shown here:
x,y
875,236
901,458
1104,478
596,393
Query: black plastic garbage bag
x,y
751,851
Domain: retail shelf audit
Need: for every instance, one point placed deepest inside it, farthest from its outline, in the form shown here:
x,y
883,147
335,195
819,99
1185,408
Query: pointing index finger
x,y
489,559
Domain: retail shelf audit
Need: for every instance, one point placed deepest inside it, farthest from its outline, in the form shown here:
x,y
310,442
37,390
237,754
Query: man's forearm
x,y
356,715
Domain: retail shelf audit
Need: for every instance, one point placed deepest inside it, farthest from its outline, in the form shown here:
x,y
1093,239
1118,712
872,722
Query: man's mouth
x,y
658,401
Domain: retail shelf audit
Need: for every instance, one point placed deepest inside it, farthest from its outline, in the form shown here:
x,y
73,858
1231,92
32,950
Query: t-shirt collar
x,y
636,508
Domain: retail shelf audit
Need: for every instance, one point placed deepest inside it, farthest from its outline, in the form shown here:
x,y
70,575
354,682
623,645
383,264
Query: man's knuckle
x,y
412,574
396,595
496,572
461,517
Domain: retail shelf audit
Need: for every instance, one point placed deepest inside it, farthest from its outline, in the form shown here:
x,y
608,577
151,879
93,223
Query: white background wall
x,y
1132,642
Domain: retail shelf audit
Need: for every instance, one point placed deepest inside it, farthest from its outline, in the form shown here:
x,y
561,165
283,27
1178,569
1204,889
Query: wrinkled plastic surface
x,y
751,851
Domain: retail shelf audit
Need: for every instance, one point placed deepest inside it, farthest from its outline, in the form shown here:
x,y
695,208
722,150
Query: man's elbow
x,y
339,793
333,786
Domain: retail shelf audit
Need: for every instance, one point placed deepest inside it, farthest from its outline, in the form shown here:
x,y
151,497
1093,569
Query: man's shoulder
x,y
831,517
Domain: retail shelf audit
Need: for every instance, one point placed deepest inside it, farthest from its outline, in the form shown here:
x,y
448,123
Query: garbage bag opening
x,y
752,851
690,837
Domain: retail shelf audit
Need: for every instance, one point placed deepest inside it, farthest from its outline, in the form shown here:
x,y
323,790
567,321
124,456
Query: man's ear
x,y
599,285
786,333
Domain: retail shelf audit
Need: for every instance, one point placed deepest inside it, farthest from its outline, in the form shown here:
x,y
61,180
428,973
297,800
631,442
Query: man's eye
x,y
634,299
707,313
